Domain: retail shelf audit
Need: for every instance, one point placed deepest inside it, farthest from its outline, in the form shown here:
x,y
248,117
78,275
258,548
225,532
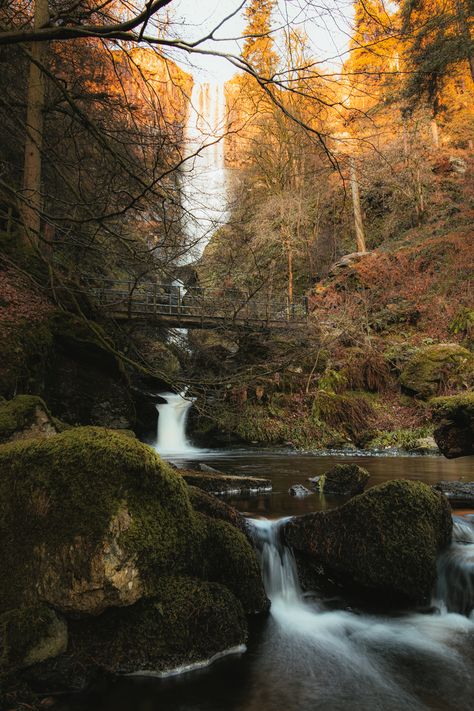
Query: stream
x,y
311,653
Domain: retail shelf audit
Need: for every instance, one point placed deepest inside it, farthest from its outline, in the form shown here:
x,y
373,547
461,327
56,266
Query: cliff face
x,y
154,85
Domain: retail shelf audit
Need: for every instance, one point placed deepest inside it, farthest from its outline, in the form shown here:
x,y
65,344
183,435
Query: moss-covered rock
x,y
230,560
23,417
386,539
454,419
30,635
187,621
431,367
218,483
213,507
342,480
89,518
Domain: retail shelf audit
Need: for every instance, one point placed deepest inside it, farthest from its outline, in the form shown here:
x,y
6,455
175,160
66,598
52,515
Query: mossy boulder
x,y
435,366
230,560
213,507
454,420
23,417
185,622
342,480
385,540
30,635
88,519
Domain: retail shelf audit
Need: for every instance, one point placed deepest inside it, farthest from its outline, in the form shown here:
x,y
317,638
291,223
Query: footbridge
x,y
178,306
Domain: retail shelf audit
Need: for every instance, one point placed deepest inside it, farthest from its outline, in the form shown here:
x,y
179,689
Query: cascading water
x,y
455,586
316,658
204,180
172,416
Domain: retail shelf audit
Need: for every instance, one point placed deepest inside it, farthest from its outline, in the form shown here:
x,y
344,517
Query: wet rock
x,y
431,366
185,622
424,445
225,483
299,490
386,539
454,420
31,635
459,494
213,507
342,480
24,417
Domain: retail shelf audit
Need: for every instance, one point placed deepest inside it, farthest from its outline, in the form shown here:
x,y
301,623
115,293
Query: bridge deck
x,y
195,307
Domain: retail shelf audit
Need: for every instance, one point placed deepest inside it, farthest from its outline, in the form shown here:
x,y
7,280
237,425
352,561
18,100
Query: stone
x,y
342,480
432,366
31,635
460,494
24,417
221,484
299,490
424,445
454,420
385,540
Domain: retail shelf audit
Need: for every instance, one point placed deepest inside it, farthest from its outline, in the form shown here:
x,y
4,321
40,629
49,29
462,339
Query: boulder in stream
x,y
342,480
96,526
386,539
299,490
220,484
454,420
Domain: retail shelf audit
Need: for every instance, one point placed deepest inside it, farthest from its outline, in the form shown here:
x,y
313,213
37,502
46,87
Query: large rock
x,y
24,417
433,366
185,622
386,539
92,519
454,419
342,480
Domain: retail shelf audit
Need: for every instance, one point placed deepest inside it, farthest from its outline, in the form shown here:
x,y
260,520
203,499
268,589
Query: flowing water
x,y
204,178
171,436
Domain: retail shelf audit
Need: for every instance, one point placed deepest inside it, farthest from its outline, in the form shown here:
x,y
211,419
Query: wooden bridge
x,y
178,306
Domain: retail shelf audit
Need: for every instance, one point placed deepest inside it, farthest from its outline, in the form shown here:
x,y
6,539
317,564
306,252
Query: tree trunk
x,y
290,274
359,225
31,210
435,132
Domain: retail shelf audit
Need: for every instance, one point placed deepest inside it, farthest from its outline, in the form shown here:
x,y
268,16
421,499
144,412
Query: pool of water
x,y
288,468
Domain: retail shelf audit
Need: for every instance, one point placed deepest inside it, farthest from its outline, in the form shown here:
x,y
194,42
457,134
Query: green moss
x,y
28,634
71,485
18,414
434,367
231,560
24,350
453,406
387,538
187,620
407,439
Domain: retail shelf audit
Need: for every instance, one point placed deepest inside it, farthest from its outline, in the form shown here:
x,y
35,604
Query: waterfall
x,y
318,657
172,416
204,178
455,585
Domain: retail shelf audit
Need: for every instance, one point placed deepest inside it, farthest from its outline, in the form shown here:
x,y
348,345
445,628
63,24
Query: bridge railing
x,y
148,300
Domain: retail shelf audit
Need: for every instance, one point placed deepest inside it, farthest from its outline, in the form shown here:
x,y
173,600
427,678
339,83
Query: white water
x,y
171,433
315,658
204,182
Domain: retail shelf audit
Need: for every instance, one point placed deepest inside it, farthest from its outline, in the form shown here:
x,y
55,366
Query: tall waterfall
x,y
172,416
204,181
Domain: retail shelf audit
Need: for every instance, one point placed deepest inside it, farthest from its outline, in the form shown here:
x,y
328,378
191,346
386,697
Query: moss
x,y
231,560
434,367
28,634
349,412
71,485
187,620
387,538
18,414
452,406
406,439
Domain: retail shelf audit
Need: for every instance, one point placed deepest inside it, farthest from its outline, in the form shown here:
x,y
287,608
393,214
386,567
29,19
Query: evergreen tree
x,y
258,47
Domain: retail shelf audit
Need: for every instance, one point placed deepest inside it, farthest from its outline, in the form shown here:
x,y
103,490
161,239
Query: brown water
x,y
288,468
